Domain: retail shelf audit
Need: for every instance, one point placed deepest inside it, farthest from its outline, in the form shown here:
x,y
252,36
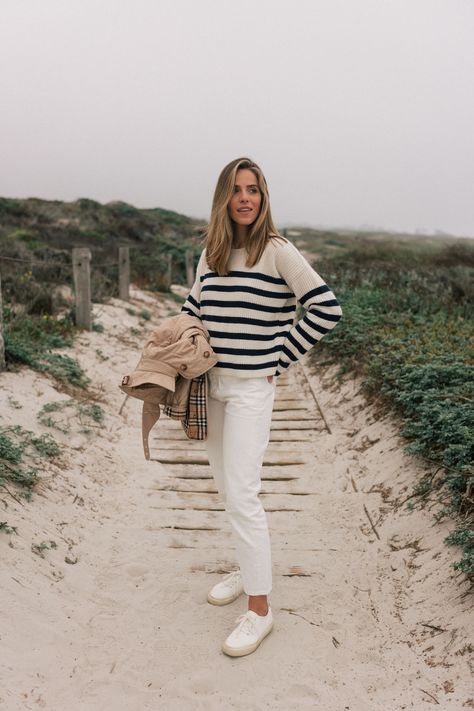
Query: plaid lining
x,y
194,418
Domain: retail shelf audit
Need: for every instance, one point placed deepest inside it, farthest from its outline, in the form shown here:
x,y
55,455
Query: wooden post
x,y
2,342
189,267
169,270
124,273
81,259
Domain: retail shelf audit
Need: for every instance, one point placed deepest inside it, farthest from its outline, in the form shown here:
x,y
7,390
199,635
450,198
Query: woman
x,y
248,279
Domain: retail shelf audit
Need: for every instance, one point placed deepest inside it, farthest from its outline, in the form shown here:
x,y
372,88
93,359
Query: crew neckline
x,y
236,249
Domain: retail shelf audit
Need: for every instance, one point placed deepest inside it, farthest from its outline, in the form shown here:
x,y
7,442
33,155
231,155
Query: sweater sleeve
x,y
322,308
192,303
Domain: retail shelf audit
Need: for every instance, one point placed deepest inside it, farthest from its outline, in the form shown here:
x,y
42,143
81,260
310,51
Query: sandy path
x,y
128,626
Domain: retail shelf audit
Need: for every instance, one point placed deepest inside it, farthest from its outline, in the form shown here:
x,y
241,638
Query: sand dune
x,y
368,613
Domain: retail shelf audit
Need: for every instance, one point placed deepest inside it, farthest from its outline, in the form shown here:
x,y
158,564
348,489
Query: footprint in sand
x,y
137,571
302,691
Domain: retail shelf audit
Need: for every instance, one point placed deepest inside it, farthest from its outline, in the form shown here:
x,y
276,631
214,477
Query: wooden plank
x,y
124,273
306,447
203,501
288,528
299,416
307,425
307,436
202,471
280,458
306,569
169,426
188,485
214,541
280,507
301,404
190,271
178,445
275,445
277,434
2,341
81,257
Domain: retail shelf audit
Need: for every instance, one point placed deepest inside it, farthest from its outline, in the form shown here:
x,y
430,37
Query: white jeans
x,y
239,416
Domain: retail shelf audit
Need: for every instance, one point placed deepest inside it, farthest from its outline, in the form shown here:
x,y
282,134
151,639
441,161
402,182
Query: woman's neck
x,y
240,236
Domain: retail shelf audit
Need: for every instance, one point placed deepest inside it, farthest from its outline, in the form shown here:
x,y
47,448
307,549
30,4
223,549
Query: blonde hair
x,y
218,234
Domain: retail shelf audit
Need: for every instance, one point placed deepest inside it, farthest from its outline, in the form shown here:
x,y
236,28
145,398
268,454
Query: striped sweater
x,y
250,313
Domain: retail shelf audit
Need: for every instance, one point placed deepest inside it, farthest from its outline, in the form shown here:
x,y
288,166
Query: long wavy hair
x,y
218,234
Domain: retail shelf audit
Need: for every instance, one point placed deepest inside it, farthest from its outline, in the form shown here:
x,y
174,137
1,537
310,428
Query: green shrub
x,y
29,340
18,449
88,204
11,207
122,209
408,330
463,537
58,415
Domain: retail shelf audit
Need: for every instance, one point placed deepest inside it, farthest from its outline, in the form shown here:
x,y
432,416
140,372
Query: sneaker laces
x,y
232,578
246,624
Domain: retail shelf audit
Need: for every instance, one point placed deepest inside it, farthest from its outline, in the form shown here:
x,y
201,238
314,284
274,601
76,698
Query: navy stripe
x,y
287,352
246,351
315,326
299,347
314,292
246,275
192,300
186,309
248,290
246,305
331,302
241,319
247,336
247,366
323,314
305,335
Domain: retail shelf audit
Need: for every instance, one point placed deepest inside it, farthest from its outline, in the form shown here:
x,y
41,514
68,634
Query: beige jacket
x,y
176,353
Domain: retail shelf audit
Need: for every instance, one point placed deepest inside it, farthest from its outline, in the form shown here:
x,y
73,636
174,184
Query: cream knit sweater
x,y
250,313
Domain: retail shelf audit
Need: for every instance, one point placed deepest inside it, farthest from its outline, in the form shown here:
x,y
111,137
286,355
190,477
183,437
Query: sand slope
x,y
361,622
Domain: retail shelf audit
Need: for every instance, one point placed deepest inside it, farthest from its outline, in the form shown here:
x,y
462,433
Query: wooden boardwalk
x,y
191,517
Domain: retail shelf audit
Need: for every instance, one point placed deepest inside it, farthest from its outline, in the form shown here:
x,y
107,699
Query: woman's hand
x,y
270,378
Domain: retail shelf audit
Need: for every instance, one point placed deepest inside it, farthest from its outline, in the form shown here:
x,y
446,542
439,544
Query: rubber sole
x,y
242,651
222,600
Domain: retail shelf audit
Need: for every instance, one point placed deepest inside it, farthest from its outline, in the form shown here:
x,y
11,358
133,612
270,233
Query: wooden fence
x,y
81,269
2,343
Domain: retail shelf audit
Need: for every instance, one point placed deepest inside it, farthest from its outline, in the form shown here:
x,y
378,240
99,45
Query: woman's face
x,y
244,204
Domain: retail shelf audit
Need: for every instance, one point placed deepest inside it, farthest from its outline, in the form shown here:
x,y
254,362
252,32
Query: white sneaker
x,y
248,634
228,590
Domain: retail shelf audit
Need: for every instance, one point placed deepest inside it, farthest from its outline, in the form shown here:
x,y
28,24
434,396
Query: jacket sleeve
x,y
322,308
192,303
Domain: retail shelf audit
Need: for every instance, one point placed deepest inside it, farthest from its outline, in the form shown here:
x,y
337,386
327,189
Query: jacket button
x,y
183,366
206,354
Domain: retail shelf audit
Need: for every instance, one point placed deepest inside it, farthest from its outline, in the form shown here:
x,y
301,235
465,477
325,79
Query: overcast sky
x,y
359,112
